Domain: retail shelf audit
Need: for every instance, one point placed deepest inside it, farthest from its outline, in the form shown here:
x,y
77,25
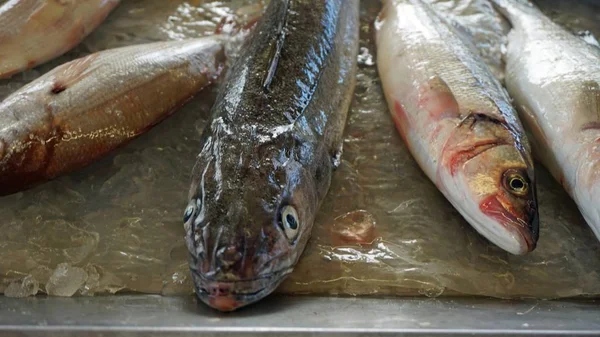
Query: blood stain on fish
x,y
401,120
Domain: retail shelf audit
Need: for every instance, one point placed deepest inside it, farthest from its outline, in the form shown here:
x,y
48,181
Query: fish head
x,y
26,147
248,219
494,189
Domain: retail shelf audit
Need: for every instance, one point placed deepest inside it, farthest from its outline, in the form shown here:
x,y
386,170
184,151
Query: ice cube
x,y
66,280
28,286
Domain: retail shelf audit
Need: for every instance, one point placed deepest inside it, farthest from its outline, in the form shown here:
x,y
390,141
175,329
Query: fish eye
x,y
189,211
516,183
290,222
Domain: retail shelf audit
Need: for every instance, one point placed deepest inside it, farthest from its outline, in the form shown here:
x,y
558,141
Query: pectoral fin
x,y
437,99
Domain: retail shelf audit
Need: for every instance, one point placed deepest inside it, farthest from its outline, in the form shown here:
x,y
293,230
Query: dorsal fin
x,y
276,48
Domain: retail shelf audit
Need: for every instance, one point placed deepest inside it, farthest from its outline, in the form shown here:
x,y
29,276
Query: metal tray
x,y
145,315
151,315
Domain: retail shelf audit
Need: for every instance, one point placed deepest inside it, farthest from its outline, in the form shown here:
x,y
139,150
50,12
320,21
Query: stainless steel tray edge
x,y
149,315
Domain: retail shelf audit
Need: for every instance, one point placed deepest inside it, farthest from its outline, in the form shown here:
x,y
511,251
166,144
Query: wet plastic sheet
x,y
384,229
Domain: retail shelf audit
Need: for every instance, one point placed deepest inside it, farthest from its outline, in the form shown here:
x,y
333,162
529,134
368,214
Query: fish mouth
x,y
228,296
514,235
496,221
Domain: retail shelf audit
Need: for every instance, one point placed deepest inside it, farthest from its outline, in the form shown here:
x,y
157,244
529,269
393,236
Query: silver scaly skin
x,y
554,78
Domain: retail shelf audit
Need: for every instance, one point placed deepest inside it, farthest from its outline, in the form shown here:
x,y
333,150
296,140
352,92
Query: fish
x,y
84,109
269,151
33,32
458,122
554,78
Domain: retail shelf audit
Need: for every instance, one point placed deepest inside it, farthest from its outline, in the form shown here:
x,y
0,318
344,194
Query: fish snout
x,y
219,289
220,295
227,295
518,231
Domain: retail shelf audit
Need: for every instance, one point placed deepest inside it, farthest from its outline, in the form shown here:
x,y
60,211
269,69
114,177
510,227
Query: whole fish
x,y
554,78
35,31
458,123
268,154
83,109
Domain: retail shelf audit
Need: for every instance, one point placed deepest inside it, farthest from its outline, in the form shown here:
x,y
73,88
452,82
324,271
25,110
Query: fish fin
x,y
70,73
436,97
590,98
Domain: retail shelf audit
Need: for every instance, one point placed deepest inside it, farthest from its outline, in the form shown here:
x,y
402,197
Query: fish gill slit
x,y
276,50
461,156
474,117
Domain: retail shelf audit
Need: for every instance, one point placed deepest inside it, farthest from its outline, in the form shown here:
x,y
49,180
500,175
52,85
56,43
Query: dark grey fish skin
x,y
268,153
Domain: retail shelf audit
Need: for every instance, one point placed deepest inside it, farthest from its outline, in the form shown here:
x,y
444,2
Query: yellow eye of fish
x,y
290,222
516,183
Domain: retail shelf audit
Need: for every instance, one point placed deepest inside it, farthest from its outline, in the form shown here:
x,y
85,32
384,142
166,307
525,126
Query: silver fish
x,y
458,123
554,78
